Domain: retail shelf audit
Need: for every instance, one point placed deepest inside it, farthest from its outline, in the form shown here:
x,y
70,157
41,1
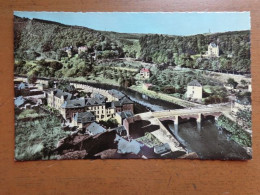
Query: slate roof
x,y
93,101
125,146
84,117
58,93
100,97
212,44
120,129
125,114
19,101
126,100
116,93
75,103
22,86
95,128
82,102
122,102
194,83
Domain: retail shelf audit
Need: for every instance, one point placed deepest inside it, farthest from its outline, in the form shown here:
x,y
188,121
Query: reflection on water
x,y
209,142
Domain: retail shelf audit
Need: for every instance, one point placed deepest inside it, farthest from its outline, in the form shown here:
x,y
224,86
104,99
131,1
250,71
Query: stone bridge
x,y
196,112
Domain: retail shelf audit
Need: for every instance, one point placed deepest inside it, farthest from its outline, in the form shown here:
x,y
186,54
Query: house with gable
x,y
194,90
145,73
81,119
213,50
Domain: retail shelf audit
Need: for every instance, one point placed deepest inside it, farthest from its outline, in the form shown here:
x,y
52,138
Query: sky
x,y
171,23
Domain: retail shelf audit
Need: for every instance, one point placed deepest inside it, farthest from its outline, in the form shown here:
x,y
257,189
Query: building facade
x,y
213,50
57,97
145,73
194,90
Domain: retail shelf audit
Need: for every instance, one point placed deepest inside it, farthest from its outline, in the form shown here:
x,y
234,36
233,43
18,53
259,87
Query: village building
x,y
229,86
120,116
194,90
121,131
19,101
213,50
57,97
99,96
68,50
43,82
250,87
101,110
40,86
22,86
162,149
123,104
80,119
82,49
94,129
145,73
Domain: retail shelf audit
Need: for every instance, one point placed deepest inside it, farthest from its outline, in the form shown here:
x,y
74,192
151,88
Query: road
x,y
204,109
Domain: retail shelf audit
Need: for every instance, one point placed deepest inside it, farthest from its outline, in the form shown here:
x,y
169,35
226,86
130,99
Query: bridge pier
x,y
176,124
199,122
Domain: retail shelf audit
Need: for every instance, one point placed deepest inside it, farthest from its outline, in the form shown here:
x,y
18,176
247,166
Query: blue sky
x,y
175,23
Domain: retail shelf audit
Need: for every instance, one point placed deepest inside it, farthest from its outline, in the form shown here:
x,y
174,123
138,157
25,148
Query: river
x,y
144,103
208,143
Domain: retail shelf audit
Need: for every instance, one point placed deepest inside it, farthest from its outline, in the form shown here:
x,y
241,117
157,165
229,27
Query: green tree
x,y
232,82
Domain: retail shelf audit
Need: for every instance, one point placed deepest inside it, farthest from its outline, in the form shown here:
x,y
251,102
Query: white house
x,y
145,73
194,90
213,50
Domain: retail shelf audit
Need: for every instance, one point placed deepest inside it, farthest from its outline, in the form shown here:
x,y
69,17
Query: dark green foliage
x,y
232,82
237,133
110,123
36,139
168,89
177,50
245,116
31,78
56,65
49,39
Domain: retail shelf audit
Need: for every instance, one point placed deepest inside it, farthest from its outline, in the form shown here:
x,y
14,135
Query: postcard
x,y
139,85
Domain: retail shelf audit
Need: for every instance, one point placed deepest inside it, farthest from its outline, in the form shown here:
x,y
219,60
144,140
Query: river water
x,y
145,103
208,142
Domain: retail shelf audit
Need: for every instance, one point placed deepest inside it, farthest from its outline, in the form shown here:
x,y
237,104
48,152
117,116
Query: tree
x,y
245,117
31,78
243,82
56,65
232,82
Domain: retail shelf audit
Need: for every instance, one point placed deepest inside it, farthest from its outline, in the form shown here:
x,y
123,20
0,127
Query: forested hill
x,y
34,38
234,50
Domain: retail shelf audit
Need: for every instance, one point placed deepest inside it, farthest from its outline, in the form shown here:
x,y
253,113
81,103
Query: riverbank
x,y
139,89
209,142
165,97
151,94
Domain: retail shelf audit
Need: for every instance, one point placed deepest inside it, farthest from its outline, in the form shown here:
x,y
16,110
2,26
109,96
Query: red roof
x,y
145,70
